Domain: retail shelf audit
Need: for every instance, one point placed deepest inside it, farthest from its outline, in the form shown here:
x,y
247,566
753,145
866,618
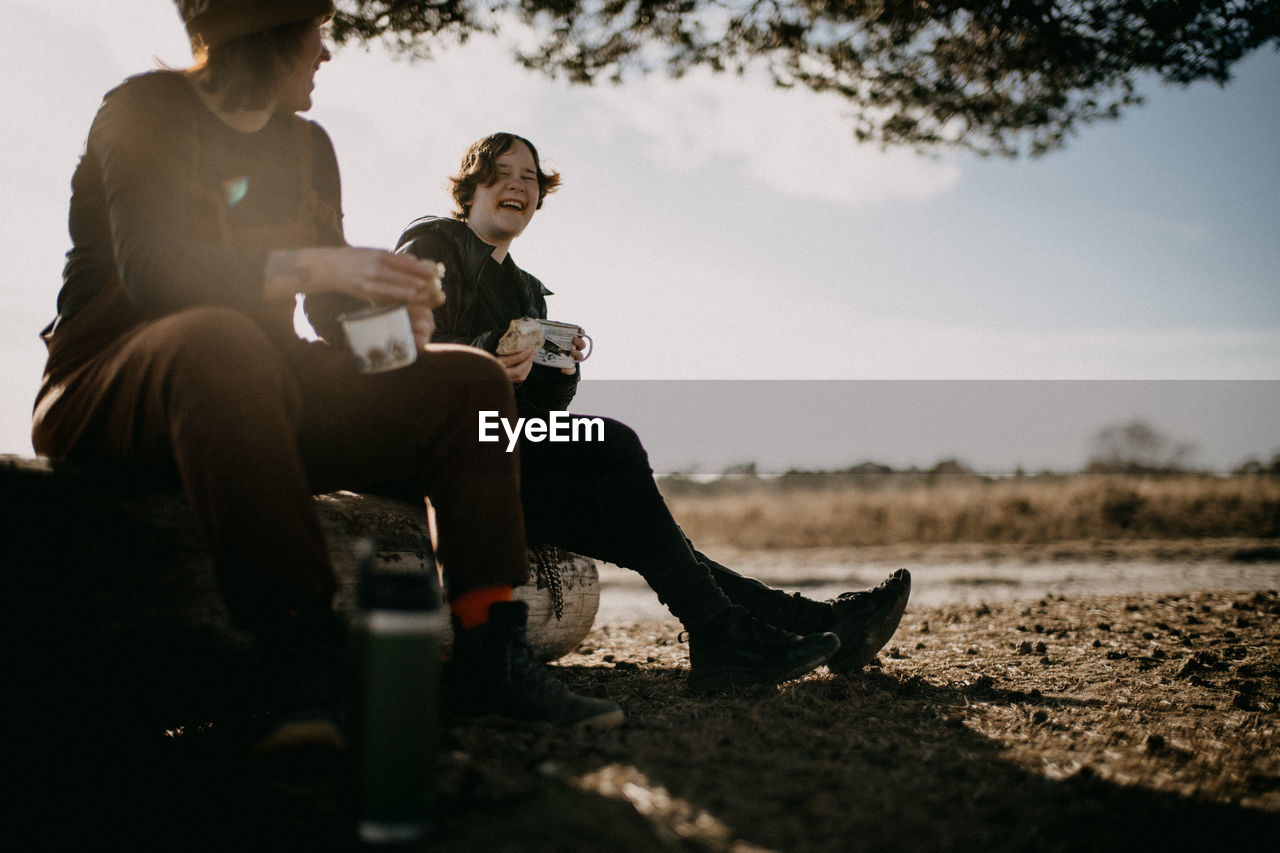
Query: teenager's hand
x,y
579,344
374,274
518,364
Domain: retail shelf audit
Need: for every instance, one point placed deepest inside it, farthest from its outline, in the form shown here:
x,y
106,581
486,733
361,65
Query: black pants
x,y
599,498
252,429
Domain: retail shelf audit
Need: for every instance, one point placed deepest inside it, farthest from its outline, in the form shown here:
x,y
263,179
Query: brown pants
x,y
254,427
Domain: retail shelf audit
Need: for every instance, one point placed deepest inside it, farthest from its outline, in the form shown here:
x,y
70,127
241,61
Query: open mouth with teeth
x,y
512,204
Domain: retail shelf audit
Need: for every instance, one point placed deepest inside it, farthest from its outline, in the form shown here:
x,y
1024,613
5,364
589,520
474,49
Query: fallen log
x,y
113,605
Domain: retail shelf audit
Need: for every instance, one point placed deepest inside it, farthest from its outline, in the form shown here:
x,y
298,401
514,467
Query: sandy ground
x,y
1131,720
1098,722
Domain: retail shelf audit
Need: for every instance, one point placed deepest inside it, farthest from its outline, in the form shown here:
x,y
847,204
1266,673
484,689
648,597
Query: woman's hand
x,y
374,274
423,322
518,364
579,344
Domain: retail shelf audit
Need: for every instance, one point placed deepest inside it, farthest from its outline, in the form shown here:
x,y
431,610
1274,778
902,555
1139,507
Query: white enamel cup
x,y
557,349
381,337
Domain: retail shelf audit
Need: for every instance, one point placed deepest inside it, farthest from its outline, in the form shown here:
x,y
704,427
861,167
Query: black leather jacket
x,y
476,311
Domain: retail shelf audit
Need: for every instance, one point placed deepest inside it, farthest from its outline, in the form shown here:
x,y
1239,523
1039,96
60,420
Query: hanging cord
x,y
546,570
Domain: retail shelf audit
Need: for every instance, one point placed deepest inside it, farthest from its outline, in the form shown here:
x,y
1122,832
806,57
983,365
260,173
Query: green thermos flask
x,y
397,634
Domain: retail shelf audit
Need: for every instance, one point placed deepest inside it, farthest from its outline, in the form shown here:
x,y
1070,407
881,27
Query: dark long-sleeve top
x,y
162,180
482,297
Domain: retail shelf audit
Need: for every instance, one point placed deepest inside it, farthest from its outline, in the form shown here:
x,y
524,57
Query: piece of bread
x,y
523,333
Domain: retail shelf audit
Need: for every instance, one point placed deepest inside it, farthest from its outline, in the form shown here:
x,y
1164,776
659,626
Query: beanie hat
x,y
215,22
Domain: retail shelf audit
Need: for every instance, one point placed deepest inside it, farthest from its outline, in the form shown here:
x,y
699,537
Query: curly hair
x,y
479,169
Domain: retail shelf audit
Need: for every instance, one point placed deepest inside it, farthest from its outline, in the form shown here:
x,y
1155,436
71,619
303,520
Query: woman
x,y
202,204
740,631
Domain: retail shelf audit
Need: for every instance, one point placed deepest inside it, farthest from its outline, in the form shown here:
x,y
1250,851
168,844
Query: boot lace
x,y
546,573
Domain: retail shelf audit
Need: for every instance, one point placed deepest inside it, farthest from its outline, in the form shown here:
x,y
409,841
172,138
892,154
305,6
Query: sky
x,y
717,236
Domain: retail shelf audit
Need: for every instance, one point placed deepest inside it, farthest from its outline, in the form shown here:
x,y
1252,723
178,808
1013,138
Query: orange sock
x,y
472,608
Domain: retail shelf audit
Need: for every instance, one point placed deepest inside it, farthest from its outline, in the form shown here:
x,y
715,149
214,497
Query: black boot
x,y
735,649
308,668
789,611
866,620
296,796
493,673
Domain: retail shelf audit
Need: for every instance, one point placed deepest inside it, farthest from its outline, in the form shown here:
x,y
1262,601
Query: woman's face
x,y
299,78
500,211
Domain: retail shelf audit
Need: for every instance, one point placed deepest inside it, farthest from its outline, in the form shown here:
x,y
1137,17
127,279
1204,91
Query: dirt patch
x,y
1092,723
1063,724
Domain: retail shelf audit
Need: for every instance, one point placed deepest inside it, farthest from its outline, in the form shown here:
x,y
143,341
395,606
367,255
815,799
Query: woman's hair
x,y
478,169
245,71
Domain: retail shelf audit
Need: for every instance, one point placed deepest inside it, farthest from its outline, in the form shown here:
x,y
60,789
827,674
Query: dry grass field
x,y
830,511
